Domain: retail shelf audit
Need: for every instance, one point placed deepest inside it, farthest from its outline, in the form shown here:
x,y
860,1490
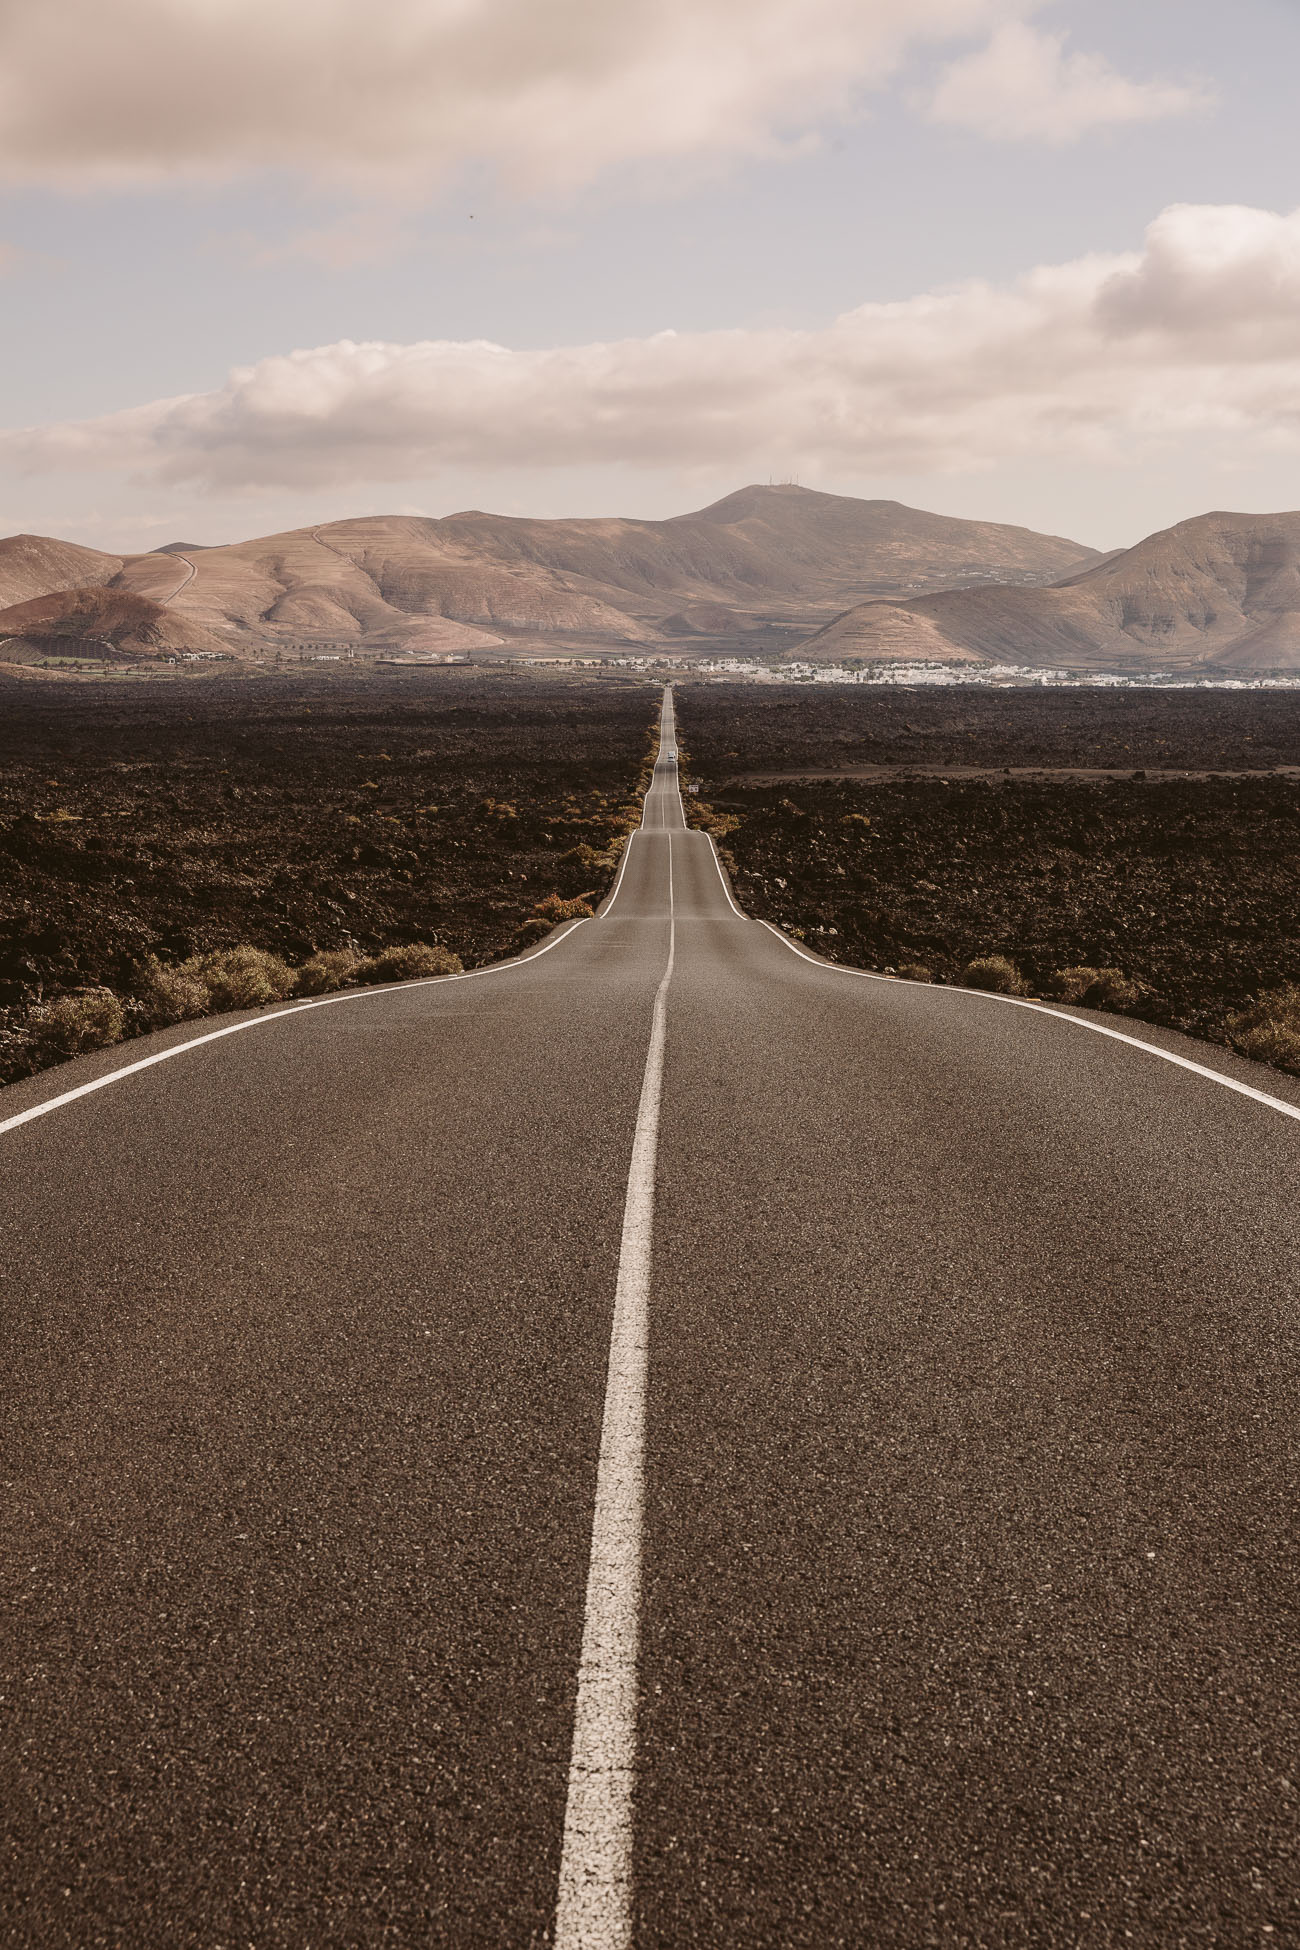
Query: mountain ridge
x,y
764,564
1220,590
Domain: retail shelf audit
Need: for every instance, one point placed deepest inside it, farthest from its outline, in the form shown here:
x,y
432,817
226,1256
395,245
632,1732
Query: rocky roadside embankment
x,y
462,811
1183,891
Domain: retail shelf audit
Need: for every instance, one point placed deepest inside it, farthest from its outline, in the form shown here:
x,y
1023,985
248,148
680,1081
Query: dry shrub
x,y
1094,988
1112,989
586,857
75,1023
415,962
914,971
1069,984
553,910
529,931
170,995
240,978
996,974
17,1045
333,968
1269,1030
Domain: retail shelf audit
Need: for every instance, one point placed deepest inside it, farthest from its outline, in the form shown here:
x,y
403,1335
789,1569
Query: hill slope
x,y
817,545
36,565
780,558
104,620
1220,589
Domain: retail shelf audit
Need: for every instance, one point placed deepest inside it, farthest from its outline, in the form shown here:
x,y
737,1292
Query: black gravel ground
x,y
296,814
738,728
1185,873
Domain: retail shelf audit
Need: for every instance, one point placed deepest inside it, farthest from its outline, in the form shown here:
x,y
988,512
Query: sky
x,y
265,263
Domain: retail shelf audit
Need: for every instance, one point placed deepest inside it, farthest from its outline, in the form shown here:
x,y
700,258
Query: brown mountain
x,y
767,559
1221,590
812,546
35,565
104,620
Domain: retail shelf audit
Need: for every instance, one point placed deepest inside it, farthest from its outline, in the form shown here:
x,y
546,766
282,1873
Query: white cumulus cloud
x,y
549,93
1024,86
1106,358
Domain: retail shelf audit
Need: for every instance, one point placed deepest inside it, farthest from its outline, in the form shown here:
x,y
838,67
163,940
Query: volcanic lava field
x,y
297,815
1157,832
1153,832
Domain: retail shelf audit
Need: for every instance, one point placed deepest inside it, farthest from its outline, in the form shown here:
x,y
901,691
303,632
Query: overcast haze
x,y
269,265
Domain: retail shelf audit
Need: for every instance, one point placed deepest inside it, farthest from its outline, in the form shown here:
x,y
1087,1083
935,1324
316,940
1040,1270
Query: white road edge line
x,y
1057,1015
272,1015
594,1910
297,1009
618,882
723,878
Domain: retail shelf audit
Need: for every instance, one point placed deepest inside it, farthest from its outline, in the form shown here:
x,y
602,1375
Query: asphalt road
x,y
966,1544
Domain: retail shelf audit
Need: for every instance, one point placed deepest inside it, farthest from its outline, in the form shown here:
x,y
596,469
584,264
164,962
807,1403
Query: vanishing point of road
x,y
663,1442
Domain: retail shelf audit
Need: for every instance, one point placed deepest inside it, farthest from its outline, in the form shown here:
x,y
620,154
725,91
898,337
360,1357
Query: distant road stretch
x,y
192,569
660,1443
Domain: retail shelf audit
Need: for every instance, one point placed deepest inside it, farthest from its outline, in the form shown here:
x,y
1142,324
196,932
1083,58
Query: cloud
x,y
549,93
1023,86
372,234
1106,358
1220,276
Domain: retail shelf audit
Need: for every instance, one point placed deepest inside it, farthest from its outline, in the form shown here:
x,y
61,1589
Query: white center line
x,y
595,1901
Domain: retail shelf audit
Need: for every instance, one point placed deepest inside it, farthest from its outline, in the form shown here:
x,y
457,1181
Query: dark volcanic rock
x,y
1188,883
298,815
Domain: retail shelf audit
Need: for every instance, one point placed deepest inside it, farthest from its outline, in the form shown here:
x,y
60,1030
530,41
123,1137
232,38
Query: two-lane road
x,y
933,1580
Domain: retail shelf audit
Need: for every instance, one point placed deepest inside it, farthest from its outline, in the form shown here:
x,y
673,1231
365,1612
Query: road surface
x,y
191,570
933,1582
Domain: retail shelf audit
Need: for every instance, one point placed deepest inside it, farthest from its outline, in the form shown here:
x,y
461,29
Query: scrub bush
x,y
76,1023
996,974
1093,988
1112,989
332,969
1069,984
553,910
1269,1030
240,978
170,994
417,961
